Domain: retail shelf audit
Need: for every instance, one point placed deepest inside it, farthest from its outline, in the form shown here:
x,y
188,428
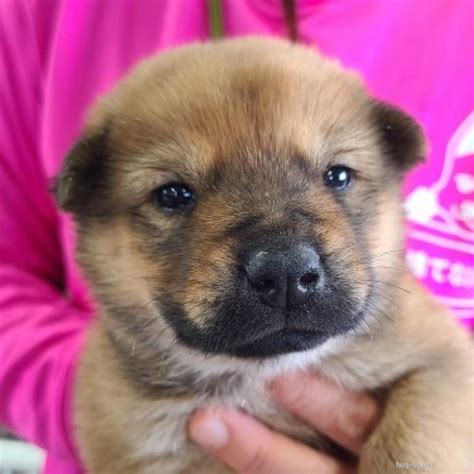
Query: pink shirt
x,y
58,55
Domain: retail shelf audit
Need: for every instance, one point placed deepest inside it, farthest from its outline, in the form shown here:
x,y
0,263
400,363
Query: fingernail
x,y
209,432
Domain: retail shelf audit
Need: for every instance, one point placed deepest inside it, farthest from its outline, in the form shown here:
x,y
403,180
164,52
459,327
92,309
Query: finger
x,y
247,446
348,418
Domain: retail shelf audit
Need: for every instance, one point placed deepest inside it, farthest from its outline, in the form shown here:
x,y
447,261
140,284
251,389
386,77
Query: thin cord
x,y
291,19
215,18
216,23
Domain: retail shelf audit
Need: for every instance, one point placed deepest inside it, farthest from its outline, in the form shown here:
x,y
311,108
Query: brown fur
x,y
253,125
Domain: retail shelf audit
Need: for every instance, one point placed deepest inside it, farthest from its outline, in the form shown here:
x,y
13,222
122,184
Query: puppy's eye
x,y
338,177
172,196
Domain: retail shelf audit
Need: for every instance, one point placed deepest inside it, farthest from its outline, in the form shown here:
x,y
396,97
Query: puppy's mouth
x,y
249,330
280,342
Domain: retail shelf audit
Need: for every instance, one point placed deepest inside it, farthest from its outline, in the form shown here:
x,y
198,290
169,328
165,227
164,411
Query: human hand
x,y
247,446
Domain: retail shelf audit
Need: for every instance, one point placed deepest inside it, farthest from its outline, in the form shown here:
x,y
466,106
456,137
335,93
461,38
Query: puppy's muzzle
x,y
284,277
283,296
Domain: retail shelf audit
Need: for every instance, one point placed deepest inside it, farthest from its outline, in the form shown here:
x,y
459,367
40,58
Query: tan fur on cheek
x,y
211,268
108,253
338,237
386,238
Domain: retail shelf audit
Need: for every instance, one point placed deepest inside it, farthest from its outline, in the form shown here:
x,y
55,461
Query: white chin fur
x,y
205,365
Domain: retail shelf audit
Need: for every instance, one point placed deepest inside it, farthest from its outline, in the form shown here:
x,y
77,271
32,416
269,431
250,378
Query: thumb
x,y
247,446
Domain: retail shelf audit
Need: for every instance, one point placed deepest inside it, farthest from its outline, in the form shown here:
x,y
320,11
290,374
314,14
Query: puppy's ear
x,y
401,137
81,180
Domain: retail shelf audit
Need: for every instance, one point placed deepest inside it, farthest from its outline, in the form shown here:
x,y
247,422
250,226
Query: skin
x,y
247,446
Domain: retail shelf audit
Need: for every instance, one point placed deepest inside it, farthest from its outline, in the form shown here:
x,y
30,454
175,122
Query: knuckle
x,y
297,396
357,417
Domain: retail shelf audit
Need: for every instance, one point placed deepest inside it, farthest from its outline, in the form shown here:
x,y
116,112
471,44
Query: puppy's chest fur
x,y
164,421
144,429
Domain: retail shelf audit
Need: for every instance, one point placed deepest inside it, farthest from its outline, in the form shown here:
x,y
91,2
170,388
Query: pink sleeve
x,y
41,331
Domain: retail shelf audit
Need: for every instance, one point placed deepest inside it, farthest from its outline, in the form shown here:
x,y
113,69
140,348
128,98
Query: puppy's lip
x,y
280,342
277,330
282,332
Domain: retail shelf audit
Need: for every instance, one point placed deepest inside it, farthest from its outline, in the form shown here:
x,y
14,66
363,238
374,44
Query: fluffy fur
x,y
251,125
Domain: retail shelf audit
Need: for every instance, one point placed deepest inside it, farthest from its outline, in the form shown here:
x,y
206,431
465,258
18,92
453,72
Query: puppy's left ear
x,y
402,138
79,188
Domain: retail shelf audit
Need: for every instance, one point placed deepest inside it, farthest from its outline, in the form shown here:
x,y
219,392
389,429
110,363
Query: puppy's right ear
x,y
82,178
401,137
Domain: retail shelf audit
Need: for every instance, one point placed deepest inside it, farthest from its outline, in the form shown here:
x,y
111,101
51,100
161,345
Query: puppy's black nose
x,y
284,278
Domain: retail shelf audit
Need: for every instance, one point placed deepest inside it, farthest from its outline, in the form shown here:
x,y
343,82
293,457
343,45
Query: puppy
x,y
239,216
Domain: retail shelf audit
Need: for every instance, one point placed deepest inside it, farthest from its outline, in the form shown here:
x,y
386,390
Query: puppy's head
x,y
241,198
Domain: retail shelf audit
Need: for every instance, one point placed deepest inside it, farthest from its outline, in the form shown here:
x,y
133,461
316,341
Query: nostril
x,y
309,278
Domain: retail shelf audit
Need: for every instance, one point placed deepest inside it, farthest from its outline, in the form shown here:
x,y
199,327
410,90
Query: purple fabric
x,y
59,55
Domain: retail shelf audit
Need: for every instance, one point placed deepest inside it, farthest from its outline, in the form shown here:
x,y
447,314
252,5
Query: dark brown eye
x,y
338,177
173,196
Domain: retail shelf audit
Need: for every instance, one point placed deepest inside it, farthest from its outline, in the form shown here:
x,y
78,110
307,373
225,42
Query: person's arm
x,y
41,331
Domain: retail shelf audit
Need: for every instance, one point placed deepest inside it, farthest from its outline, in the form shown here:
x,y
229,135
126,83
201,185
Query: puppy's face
x,y
242,197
